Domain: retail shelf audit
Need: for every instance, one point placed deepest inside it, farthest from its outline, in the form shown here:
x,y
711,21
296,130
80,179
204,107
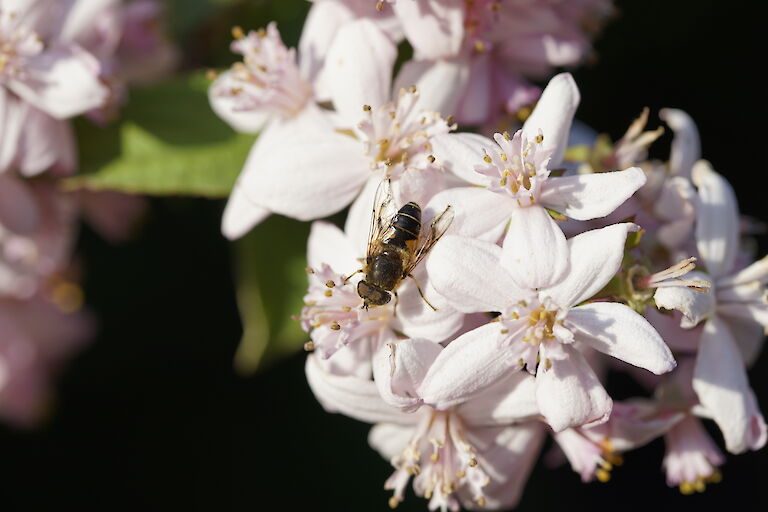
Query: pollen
x,y
335,326
487,159
309,346
328,293
330,284
237,32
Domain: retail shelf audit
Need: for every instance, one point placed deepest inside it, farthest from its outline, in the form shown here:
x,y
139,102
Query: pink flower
x,y
691,459
333,313
539,324
35,339
488,49
471,456
738,301
518,189
45,78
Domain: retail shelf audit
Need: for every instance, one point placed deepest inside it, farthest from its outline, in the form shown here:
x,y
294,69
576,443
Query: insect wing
x,y
381,219
437,228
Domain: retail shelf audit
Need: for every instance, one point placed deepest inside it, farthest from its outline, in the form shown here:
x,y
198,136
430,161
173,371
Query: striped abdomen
x,y
407,225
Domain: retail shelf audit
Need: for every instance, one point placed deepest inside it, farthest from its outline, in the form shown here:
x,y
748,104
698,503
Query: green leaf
x,y
271,284
168,142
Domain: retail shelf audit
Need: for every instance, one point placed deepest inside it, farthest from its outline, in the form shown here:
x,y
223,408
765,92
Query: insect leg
x,y
350,276
422,293
394,308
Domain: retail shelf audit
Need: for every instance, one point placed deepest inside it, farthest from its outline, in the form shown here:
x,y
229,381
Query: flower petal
x,y
535,250
430,77
66,82
470,364
595,257
435,28
400,367
320,178
512,399
616,330
694,305
459,153
468,274
328,244
553,115
352,396
591,196
417,319
244,121
478,213
717,220
720,381
19,209
359,66
686,146
568,392
508,461
387,438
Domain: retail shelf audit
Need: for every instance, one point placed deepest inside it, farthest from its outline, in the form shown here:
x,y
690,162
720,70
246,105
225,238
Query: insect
x,y
396,245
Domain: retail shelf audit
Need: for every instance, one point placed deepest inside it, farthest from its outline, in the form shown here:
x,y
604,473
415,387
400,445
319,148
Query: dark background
x,y
152,416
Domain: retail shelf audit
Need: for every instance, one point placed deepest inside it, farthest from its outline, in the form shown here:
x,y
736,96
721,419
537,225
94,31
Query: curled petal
x,y
591,196
352,396
244,121
389,438
616,330
694,305
472,363
720,381
717,220
595,257
686,146
568,391
399,369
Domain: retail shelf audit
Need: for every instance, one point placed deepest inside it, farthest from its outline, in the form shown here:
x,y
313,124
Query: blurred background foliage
x,y
166,411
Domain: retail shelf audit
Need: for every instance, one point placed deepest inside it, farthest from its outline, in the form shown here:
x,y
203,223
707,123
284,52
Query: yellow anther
x,y
603,475
450,120
699,485
211,74
309,346
520,362
461,473
366,108
472,462
261,33
330,284
687,488
548,363
480,500
431,159
237,32
328,293
310,303
380,7
487,159
715,478
505,331
309,270
539,139
479,46
506,136
334,326
503,157
346,309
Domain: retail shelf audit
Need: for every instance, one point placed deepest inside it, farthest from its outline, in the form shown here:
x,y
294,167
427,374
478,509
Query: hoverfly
x,y
396,245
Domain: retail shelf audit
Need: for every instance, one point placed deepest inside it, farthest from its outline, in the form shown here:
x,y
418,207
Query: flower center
x,y
332,313
268,78
517,168
397,135
17,44
442,460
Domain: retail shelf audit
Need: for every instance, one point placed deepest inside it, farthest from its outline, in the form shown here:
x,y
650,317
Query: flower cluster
x,y
504,332
58,60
